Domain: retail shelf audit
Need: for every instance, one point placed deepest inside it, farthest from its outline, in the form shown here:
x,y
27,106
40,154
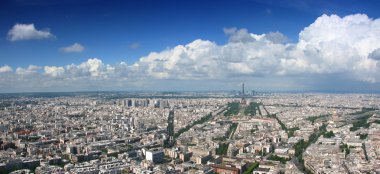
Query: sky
x,y
200,45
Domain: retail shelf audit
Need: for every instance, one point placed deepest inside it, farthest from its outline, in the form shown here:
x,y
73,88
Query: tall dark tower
x,y
169,142
243,90
243,101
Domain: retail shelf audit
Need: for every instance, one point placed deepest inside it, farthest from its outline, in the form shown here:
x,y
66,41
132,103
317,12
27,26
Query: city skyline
x,y
51,46
189,86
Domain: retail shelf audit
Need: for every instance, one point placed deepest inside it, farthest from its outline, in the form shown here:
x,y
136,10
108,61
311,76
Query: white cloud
x,y
240,35
202,59
93,68
54,71
330,50
330,45
28,71
33,68
5,68
341,45
240,68
76,47
276,37
27,32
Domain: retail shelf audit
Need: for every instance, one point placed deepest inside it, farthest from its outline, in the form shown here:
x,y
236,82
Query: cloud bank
x,y
332,50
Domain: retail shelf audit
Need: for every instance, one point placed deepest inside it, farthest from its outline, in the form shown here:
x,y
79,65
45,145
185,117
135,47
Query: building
x,y
225,169
155,155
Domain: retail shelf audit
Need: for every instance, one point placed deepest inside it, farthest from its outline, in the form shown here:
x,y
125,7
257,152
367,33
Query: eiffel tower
x,y
243,101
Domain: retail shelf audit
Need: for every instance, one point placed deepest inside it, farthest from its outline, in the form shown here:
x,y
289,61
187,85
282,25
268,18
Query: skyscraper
x,y
169,142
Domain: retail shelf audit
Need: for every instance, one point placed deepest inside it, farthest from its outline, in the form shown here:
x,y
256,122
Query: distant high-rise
x,y
253,92
163,104
169,142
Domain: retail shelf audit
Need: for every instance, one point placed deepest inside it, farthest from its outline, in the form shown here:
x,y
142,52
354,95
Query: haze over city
x,y
92,45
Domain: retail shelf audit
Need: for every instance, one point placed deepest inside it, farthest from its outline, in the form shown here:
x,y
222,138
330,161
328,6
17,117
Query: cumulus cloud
x,y
276,37
331,45
5,68
330,50
76,47
95,69
28,71
92,66
239,35
54,71
27,32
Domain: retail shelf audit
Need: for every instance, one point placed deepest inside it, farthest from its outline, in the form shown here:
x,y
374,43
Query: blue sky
x,y
125,31
108,28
